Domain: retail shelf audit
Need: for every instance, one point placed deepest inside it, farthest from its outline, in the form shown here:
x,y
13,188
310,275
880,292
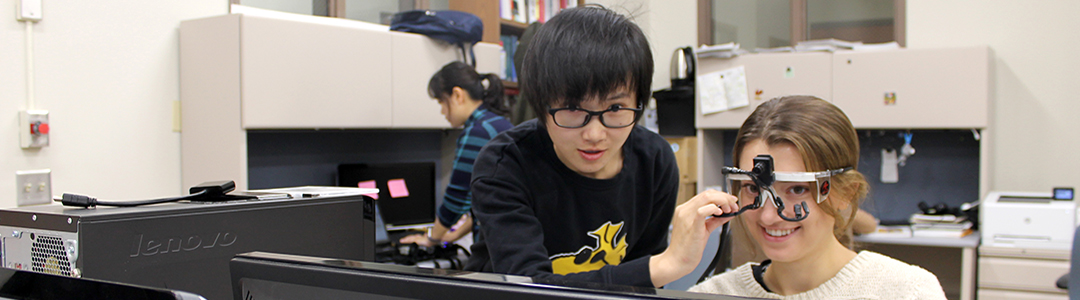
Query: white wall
x,y
1034,81
107,73
669,24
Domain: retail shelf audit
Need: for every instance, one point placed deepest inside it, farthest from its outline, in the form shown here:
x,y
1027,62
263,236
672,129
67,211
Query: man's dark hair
x,y
585,52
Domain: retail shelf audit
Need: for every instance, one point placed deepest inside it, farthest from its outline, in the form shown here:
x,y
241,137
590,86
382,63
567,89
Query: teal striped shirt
x,y
481,127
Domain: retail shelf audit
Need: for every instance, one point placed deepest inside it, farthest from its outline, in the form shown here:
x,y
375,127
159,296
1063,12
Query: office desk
x,y
937,255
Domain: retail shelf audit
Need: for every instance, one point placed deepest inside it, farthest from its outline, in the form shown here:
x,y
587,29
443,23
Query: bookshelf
x,y
511,27
495,26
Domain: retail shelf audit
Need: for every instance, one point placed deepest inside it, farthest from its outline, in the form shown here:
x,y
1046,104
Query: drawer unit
x,y
1027,273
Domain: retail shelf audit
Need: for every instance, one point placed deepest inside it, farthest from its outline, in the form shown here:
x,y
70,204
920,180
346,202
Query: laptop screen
x,y
406,198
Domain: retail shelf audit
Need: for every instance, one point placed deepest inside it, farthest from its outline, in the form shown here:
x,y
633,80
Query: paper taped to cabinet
x,y
723,90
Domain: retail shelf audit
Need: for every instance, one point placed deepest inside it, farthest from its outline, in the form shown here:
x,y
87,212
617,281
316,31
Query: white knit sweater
x,y
869,276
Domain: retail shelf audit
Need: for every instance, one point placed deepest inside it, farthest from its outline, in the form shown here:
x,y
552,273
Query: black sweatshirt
x,y
536,213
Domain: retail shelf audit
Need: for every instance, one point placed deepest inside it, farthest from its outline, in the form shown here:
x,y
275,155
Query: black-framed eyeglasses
x,y
614,117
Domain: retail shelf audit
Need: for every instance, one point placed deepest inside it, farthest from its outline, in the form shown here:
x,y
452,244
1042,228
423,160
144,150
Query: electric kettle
x,y
683,65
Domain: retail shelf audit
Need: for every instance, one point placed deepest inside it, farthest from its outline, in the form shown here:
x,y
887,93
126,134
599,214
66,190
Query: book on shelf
x,y
529,11
887,231
957,229
957,226
924,218
510,45
940,233
506,9
517,10
535,10
551,8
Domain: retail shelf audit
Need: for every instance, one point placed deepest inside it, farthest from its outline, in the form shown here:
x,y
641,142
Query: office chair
x,y
1072,278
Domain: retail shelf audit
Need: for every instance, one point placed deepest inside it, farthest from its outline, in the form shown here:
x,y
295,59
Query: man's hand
x,y
691,226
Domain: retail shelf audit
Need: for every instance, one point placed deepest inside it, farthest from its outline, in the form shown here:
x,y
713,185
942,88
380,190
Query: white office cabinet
x,y
243,72
213,144
774,75
416,54
1011,295
913,88
1021,273
306,75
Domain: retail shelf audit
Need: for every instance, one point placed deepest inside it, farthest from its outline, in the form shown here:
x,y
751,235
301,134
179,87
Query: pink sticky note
x,y
397,188
370,184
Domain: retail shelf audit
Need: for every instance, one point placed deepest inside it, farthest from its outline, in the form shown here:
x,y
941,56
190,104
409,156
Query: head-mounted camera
x,y
787,191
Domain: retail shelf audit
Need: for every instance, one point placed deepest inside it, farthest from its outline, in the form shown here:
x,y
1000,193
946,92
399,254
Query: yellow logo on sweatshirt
x,y
608,251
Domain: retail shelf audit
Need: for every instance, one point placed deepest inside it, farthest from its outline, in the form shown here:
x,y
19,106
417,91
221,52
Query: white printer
x,y
1028,219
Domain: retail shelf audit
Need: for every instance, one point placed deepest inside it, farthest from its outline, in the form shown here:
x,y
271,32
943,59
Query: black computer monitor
x,y
20,285
262,275
406,198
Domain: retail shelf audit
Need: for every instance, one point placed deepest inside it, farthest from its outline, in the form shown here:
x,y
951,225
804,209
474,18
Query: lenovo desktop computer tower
x,y
183,245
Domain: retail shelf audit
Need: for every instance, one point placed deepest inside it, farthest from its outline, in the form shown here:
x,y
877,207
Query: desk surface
x,y
969,241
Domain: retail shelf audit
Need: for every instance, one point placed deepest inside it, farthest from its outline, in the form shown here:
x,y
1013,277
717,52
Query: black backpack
x,y
454,27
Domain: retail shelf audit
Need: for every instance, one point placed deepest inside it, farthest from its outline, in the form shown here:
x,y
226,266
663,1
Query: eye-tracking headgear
x,y
787,191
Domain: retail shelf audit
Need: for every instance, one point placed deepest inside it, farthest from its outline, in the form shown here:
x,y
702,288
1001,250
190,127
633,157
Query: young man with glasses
x,y
580,193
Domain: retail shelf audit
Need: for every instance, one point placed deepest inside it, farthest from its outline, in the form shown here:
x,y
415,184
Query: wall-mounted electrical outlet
x,y
33,187
28,10
33,128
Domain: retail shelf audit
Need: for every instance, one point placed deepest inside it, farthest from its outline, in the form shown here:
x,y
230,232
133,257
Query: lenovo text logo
x,y
151,246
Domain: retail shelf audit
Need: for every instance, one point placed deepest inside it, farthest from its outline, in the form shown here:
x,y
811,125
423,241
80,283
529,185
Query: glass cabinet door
x,y
869,21
751,24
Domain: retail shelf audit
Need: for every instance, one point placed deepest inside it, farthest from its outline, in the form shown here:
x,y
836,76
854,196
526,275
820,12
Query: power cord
x,y
711,269
208,191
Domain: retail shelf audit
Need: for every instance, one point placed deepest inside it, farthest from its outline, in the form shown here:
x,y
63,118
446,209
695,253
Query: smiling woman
x,y
814,153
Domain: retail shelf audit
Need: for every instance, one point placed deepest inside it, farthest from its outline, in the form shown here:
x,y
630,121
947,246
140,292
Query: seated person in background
x,y
465,101
581,193
807,257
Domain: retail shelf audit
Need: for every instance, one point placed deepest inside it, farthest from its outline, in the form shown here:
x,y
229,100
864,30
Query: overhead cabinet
x,y
267,72
942,88
304,75
289,74
768,76
913,88
887,89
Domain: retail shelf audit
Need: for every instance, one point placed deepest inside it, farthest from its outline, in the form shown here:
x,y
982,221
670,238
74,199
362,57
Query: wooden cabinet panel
x,y
932,88
306,75
774,74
